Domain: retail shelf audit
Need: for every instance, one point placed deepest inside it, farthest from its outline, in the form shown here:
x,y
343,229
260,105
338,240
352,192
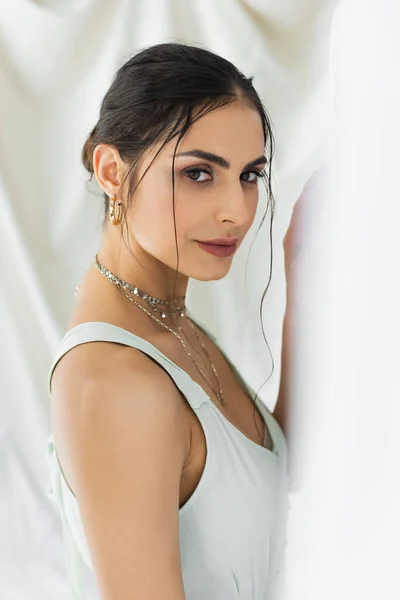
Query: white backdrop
x,y
57,60
347,521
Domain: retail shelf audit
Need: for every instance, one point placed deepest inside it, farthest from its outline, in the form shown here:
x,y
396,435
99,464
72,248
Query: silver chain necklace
x,y
151,301
123,285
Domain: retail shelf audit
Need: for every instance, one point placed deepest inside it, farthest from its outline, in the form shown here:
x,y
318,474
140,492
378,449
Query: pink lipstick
x,y
224,249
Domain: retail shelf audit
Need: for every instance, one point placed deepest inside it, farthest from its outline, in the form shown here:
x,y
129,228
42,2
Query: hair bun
x,y
87,151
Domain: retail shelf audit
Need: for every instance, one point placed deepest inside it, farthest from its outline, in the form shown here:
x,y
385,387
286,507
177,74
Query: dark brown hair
x,y
157,95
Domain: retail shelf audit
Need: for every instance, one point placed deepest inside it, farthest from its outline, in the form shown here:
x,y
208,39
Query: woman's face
x,y
216,194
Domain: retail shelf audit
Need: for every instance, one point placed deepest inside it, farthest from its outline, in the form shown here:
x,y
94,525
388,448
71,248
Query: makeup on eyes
x,y
203,169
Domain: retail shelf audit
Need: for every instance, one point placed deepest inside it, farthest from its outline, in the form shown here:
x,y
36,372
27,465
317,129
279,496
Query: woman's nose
x,y
235,205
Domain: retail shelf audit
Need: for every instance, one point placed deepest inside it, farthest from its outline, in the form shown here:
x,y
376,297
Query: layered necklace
x,y
177,307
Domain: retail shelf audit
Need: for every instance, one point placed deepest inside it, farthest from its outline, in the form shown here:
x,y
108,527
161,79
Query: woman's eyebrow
x,y
219,160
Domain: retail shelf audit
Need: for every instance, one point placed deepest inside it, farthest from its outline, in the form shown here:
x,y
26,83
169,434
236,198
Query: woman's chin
x,y
211,275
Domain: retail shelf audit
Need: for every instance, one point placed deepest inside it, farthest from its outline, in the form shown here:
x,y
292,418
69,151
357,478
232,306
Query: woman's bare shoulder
x,y
97,376
89,363
87,360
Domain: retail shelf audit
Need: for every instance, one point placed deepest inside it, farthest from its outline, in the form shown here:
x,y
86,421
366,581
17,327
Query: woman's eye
x,y
197,172
254,179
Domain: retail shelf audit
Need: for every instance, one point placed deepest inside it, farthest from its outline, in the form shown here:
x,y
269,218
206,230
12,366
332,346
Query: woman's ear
x,y
108,168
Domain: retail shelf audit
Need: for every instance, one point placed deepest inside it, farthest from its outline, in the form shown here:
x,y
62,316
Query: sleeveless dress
x,y
232,530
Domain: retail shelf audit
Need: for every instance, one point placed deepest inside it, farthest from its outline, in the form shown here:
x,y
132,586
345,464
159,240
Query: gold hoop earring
x,y
115,210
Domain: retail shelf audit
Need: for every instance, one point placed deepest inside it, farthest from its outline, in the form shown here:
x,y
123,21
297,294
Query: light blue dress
x,y
232,530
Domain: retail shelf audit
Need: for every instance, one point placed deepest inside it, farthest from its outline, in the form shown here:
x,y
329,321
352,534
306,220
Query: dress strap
x,y
100,331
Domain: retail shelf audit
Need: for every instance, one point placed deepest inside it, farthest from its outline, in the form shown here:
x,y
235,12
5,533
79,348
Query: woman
x,y
171,481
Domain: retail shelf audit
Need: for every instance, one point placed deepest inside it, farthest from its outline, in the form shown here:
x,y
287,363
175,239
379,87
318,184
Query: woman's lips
x,y
218,250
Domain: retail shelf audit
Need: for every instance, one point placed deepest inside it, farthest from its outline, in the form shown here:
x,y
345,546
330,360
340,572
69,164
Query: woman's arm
x,y
122,438
291,244
304,224
281,410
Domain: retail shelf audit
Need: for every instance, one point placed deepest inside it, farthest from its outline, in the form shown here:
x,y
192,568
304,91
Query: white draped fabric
x,y
57,58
